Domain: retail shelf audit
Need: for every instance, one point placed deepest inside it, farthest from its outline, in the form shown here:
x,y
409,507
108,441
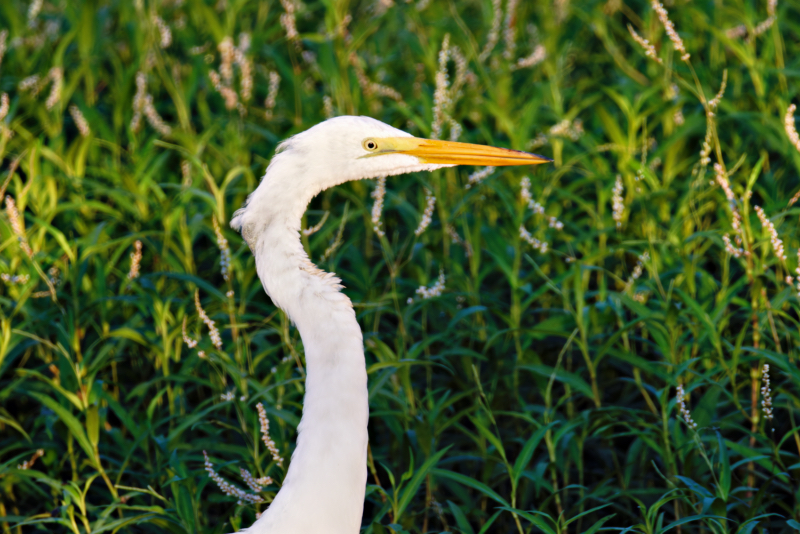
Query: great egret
x,y
323,491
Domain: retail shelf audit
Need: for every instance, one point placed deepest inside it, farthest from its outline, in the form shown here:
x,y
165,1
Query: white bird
x,y
323,491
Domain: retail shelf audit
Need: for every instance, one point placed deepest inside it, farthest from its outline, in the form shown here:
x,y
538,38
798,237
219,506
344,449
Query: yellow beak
x,y
451,152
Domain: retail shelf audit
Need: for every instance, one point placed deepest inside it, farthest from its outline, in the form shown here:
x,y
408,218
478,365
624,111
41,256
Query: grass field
x,y
610,342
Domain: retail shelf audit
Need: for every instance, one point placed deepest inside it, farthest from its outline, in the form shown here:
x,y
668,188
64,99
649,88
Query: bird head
x,y
349,148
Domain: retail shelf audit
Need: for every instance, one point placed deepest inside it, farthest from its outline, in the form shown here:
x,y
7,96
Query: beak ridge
x,y
455,153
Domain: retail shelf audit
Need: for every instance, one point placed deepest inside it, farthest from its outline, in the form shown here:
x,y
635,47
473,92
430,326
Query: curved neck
x,y
323,491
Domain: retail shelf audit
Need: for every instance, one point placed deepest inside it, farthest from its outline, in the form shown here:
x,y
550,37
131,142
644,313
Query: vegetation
x,y
525,350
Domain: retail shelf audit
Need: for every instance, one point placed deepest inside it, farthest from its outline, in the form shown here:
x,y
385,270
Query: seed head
x,y
186,171
27,464
494,31
139,100
791,131
435,290
369,87
213,331
17,225
649,49
317,227
136,258
638,269
714,102
57,76
80,120
797,271
457,239
228,95
538,55
478,176
763,26
191,343
730,249
255,484
568,128
766,394
737,32
225,251
327,104
794,199
541,246
227,488
777,243
15,279
687,416
226,51
289,23
33,12
378,194
4,106
163,30
441,95
427,215
663,16
617,202
509,30
272,93
154,118
245,67
3,45
268,441
32,84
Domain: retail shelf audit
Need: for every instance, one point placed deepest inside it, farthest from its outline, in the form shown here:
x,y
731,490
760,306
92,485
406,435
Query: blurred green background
x,y
537,393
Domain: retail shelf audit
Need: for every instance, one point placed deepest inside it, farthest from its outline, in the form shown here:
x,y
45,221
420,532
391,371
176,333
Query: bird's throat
x,y
323,491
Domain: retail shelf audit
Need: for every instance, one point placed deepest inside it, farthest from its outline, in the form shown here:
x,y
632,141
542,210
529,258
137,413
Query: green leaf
x,y
69,420
767,464
689,519
694,486
537,518
598,524
93,426
399,363
577,383
128,333
489,435
74,399
708,326
13,424
470,482
528,449
585,513
411,488
724,469
489,522
461,519
183,503
703,412
118,524
748,526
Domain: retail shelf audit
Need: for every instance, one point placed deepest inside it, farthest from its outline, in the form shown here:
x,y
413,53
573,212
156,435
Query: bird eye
x,y
370,144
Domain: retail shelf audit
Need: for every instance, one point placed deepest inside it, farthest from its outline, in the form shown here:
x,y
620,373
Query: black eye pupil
x,y
371,144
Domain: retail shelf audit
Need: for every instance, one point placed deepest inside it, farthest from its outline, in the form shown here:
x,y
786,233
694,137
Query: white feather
x,y
323,492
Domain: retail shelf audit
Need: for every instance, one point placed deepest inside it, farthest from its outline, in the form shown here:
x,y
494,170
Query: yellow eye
x,y
370,145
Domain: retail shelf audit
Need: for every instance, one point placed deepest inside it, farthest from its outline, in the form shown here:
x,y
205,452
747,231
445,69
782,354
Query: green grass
x,y
536,394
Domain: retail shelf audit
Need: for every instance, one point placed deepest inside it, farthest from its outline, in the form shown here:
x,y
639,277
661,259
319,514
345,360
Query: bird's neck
x,y
323,491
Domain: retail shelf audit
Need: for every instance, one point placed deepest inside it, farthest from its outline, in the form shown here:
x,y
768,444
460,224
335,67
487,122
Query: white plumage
x,y
323,491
